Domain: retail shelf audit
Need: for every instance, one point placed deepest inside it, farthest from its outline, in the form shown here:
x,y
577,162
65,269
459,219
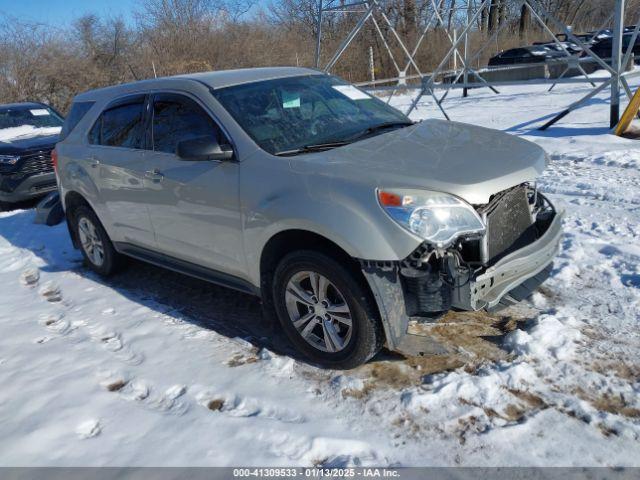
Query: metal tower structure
x,y
412,76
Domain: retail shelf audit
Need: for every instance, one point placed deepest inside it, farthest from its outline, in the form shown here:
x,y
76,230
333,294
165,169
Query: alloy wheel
x,y
90,241
318,311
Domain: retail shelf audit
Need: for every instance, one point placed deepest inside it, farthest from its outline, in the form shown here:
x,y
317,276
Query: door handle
x,y
155,175
94,162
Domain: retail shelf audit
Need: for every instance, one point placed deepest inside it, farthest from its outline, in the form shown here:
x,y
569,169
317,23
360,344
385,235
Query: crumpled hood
x,y
465,160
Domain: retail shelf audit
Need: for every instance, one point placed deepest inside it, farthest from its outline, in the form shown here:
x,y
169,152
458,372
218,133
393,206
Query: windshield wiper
x,y
319,147
315,147
381,126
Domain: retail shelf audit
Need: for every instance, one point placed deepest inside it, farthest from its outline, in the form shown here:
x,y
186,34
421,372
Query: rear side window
x,y
77,112
177,118
120,126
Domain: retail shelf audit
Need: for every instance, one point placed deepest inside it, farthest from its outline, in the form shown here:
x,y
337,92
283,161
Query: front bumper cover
x,y
17,188
511,279
487,289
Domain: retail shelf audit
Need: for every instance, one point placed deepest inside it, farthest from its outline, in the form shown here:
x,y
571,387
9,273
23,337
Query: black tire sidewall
x,y
364,341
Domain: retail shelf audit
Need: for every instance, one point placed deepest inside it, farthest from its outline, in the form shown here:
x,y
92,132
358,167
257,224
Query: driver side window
x,y
177,118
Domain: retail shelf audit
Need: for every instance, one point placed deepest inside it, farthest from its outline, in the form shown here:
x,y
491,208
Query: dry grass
x,y
615,404
605,402
534,401
407,424
241,359
620,369
402,374
432,364
470,424
514,413
468,335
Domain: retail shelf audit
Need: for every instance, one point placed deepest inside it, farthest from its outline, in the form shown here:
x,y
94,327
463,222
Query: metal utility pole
x,y
455,57
616,64
372,65
465,91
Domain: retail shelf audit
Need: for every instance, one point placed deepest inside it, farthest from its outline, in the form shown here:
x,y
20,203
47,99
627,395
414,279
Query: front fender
x,y
343,212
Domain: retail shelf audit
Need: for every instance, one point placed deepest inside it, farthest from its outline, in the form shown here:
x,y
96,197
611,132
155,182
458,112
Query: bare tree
x,y
180,36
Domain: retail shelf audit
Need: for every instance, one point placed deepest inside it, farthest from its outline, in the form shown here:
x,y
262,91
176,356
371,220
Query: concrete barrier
x,y
548,70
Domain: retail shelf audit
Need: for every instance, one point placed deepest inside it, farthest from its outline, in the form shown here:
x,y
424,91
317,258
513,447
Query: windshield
x,y
292,113
37,116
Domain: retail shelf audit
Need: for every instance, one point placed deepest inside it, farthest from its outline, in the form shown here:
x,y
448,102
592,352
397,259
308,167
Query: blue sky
x,y
62,12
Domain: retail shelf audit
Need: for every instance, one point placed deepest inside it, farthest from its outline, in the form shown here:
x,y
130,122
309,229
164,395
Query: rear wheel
x,y
95,245
325,310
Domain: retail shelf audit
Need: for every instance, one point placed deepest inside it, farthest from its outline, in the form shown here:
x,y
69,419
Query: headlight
x,y
9,159
436,217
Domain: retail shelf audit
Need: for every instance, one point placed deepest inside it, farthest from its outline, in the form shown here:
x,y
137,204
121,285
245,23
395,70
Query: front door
x,y
194,205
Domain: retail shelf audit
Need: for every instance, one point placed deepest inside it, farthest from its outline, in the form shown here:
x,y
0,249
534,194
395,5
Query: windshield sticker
x,y
351,92
290,100
40,112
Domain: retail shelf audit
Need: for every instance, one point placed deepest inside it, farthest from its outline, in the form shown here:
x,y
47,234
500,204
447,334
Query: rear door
x,y
194,205
116,158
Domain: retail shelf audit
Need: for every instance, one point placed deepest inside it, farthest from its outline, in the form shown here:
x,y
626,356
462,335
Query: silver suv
x,y
351,222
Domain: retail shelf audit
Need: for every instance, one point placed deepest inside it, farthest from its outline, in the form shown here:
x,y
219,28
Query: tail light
x,y
54,159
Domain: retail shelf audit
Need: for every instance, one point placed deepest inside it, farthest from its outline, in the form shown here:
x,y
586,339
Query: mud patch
x,y
116,385
215,405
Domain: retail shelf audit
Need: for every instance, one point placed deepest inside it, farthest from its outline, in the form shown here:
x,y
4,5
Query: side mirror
x,y
203,148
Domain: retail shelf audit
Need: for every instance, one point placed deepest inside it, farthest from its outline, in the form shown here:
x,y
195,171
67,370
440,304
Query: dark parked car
x,y
586,38
597,35
28,133
604,47
531,54
570,47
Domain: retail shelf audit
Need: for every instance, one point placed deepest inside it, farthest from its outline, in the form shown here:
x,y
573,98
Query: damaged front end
x,y
492,270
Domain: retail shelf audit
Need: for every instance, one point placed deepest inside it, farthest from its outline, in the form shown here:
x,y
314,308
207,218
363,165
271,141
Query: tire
x,y
341,333
89,231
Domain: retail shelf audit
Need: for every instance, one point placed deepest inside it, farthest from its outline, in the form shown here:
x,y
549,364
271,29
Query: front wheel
x,y
325,310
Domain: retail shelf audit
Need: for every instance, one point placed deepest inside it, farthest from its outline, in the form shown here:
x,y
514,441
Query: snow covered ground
x,y
152,368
